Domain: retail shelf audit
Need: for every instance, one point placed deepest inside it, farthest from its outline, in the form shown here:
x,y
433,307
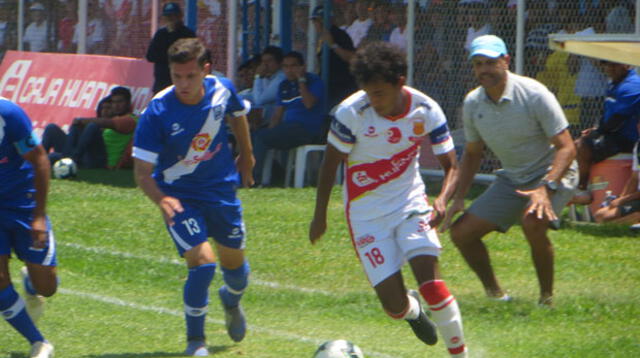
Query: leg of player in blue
x,y
236,280
196,301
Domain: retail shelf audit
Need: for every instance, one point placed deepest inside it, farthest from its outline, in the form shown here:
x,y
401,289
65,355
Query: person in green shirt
x,y
97,142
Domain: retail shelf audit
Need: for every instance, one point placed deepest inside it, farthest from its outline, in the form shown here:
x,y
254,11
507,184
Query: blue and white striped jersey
x,y
189,143
16,174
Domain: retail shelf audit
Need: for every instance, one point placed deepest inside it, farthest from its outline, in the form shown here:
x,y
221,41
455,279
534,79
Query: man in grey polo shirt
x,y
520,120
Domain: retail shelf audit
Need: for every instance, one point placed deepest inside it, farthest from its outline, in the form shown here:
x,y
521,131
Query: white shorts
x,y
385,244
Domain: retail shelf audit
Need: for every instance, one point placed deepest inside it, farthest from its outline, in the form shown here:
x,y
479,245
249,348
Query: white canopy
x,y
621,48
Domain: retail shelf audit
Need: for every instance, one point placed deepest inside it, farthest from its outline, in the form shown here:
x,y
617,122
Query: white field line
x,y
254,280
161,310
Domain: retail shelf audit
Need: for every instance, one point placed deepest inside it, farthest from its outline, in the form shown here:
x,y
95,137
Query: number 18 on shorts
x,y
384,245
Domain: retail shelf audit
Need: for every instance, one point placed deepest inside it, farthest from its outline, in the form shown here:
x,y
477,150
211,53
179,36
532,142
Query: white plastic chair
x,y
298,160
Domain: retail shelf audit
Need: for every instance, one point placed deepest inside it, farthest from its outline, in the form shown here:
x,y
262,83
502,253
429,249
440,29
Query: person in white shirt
x,y
360,26
36,36
377,133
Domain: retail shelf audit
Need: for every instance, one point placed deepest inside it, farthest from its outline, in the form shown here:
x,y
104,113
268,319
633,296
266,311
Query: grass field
x,y
121,288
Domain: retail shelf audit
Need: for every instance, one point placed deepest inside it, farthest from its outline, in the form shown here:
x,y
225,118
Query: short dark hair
x,y
379,60
274,51
121,91
253,61
297,55
101,104
188,49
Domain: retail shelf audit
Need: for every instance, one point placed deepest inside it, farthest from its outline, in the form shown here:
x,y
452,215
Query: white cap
x,y
37,6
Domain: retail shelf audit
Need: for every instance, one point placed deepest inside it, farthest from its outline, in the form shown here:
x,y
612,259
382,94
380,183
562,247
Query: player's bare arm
x,y
469,166
332,159
449,163
42,169
245,160
540,196
168,205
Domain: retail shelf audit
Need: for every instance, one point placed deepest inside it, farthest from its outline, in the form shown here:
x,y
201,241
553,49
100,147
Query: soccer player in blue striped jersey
x,y
183,162
24,226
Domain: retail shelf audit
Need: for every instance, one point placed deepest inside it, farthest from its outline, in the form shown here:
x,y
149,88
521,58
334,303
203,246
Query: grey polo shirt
x,y
518,128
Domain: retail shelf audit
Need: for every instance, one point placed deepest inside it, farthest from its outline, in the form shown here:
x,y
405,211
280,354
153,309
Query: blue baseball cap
x,y
171,8
488,45
317,13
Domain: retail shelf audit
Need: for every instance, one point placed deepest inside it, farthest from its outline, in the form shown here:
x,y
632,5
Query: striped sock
x,y
196,299
236,281
13,310
446,314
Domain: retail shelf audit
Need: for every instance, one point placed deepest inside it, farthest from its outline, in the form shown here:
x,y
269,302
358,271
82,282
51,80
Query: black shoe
x,y
423,327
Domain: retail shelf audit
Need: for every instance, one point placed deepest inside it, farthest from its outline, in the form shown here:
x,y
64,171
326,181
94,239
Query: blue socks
x,y
196,299
13,310
235,282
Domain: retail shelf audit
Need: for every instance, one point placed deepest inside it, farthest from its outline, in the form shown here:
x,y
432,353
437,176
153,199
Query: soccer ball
x,y
338,349
65,168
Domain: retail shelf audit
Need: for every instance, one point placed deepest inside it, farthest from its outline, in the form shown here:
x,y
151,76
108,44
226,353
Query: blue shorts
x,y
201,220
15,233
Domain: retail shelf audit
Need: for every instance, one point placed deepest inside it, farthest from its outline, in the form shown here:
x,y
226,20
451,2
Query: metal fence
x,y
436,34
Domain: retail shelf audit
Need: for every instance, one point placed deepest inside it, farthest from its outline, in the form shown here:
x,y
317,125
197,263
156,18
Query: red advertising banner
x,y
55,88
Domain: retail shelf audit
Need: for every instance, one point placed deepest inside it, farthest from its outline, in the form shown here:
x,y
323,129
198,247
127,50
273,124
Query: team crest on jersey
x,y
418,126
201,142
418,130
361,178
371,132
394,135
218,112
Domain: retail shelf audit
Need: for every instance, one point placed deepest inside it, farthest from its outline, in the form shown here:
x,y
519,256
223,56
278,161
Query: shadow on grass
x,y
605,230
212,350
121,178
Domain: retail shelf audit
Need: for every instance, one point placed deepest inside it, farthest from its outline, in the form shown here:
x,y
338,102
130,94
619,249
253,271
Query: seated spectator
x,y
66,25
341,82
8,33
475,16
96,31
626,208
559,75
37,35
299,117
264,93
398,36
381,27
360,26
616,132
99,142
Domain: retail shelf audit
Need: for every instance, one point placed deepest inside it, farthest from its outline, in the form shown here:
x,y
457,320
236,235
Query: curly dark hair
x,y
379,61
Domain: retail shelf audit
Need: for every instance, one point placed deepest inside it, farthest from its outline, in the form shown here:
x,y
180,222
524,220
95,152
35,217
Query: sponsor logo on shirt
x,y
361,179
175,129
365,240
4,160
201,142
208,155
394,135
371,132
369,176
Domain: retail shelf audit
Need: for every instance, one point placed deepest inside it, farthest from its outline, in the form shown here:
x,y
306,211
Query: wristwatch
x,y
552,185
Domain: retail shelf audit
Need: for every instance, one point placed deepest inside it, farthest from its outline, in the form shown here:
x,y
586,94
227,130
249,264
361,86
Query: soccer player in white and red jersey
x,y
378,132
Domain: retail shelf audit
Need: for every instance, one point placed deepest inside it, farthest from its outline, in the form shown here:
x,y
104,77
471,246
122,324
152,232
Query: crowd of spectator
x,y
443,32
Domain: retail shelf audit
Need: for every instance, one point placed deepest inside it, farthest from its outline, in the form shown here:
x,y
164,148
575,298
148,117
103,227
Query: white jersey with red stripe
x,y
382,173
